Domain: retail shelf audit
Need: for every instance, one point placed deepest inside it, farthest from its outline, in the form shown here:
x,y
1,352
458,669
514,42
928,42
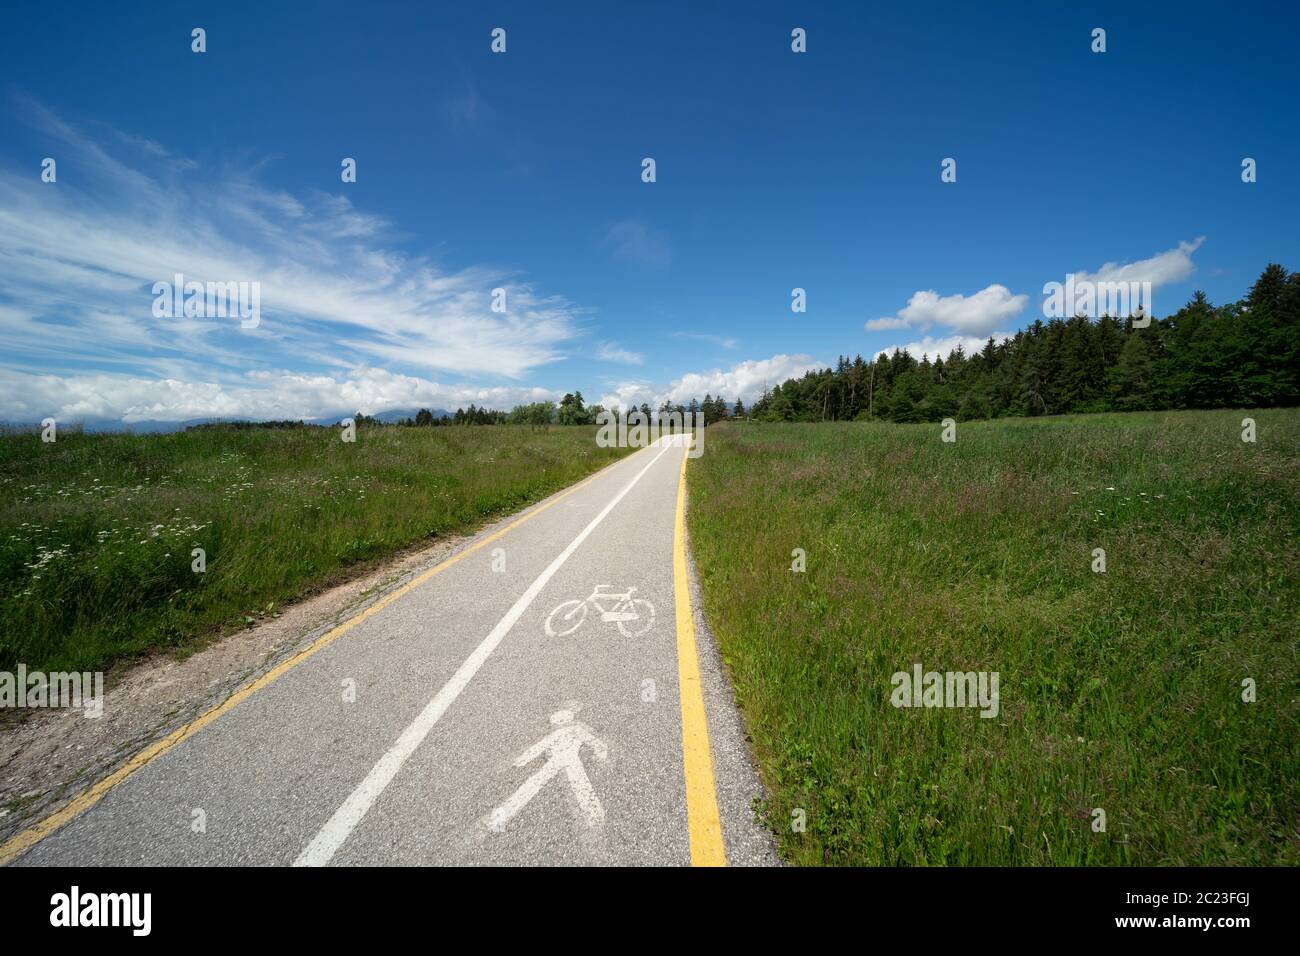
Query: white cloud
x,y
632,241
610,352
887,325
723,341
29,398
154,148
976,314
1172,265
465,107
972,318
941,348
627,394
745,380
80,257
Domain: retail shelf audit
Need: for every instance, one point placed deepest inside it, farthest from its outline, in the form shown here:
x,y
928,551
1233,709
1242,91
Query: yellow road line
x,y
84,801
702,818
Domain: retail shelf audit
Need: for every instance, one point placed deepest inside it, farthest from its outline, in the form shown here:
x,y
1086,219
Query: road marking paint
x,y
702,819
563,751
621,609
345,819
82,802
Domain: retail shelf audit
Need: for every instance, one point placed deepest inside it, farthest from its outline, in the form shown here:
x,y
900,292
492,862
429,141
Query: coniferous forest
x,y
1238,355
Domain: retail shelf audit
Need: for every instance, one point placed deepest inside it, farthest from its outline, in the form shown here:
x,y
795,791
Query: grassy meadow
x,y
97,531
1119,690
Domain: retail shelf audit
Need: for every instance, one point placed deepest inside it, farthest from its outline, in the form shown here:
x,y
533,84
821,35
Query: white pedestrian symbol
x,y
564,749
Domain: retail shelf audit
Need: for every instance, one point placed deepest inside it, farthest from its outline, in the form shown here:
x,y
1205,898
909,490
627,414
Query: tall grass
x,y
97,531
1119,691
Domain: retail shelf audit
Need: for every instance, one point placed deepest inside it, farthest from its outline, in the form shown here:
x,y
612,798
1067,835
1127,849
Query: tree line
x,y
570,410
1241,354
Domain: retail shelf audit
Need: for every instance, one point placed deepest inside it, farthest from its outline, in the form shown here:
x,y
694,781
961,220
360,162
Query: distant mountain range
x,y
152,426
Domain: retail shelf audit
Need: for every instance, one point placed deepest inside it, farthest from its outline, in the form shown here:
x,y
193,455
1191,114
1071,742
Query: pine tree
x,y
1132,377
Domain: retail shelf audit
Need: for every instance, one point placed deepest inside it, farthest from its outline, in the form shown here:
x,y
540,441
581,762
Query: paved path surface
x,y
447,726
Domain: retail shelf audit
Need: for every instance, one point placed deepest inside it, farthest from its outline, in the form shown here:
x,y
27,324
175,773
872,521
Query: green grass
x,y
96,531
1120,691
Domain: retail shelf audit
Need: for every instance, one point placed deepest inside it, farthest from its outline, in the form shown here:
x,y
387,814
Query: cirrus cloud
x,y
611,352
633,241
80,257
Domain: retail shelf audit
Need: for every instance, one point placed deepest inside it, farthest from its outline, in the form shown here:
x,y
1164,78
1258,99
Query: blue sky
x,y
522,170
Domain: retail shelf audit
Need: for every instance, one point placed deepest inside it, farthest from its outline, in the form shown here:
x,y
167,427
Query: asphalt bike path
x,y
522,705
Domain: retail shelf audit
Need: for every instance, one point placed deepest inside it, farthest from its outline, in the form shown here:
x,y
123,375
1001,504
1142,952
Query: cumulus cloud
x,y
1172,265
744,380
976,314
625,395
28,398
80,258
275,394
971,319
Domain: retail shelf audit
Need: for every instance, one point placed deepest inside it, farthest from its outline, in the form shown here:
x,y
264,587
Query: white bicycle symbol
x,y
634,616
